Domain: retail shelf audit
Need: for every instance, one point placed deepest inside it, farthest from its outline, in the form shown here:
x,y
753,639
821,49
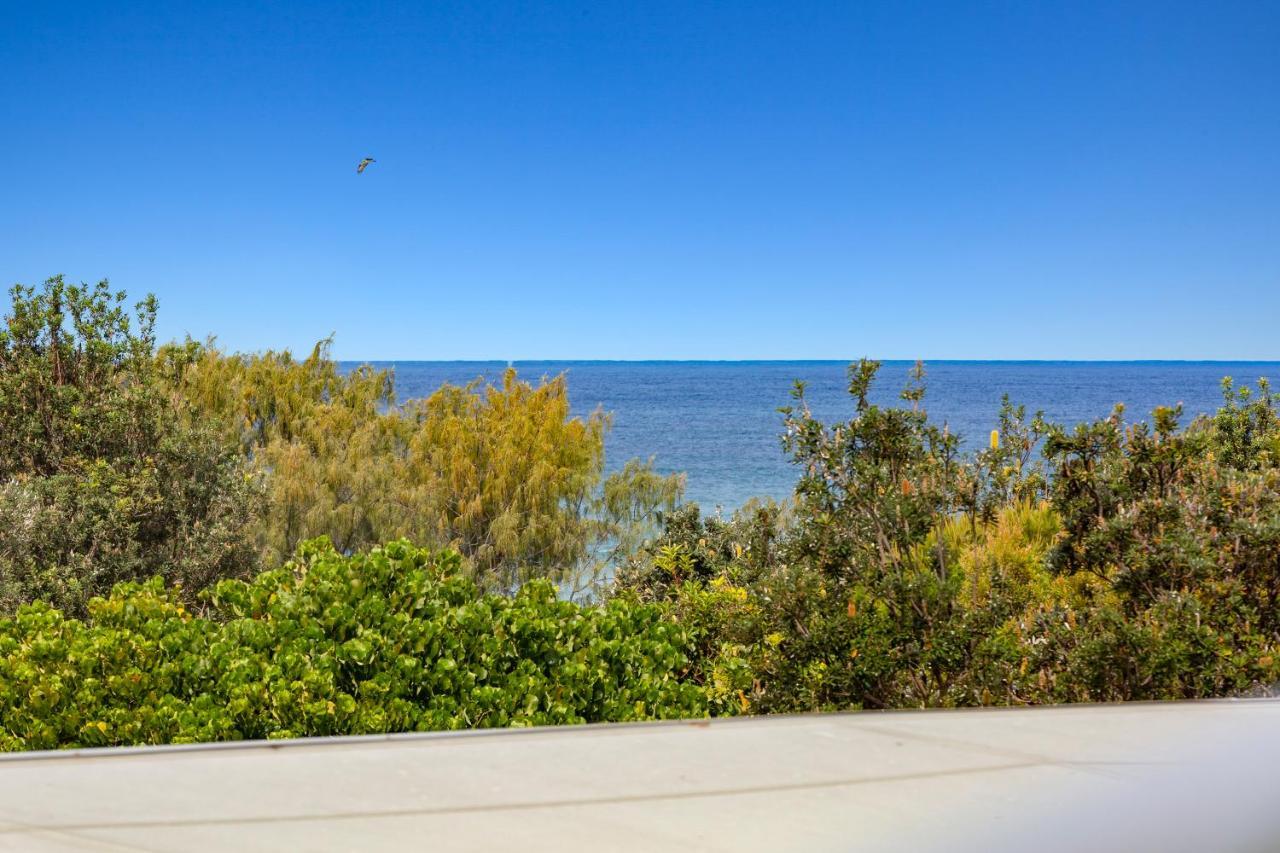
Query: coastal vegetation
x,y
1110,561
502,474
100,481
399,639
199,545
122,460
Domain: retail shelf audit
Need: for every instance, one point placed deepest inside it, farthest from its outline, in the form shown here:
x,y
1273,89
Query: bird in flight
x,y
364,164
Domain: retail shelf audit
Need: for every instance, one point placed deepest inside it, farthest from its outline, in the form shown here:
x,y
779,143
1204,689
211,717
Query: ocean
x,y
717,421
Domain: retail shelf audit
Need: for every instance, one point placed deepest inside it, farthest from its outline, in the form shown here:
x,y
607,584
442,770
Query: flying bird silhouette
x,y
363,164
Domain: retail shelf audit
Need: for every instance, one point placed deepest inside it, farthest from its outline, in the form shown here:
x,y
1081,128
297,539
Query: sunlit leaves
x,y
393,640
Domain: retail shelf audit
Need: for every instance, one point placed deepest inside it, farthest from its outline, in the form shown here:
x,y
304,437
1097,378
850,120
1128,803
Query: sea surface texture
x,y
718,422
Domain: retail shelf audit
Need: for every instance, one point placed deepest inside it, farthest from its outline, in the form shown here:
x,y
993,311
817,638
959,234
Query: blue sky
x,y
658,180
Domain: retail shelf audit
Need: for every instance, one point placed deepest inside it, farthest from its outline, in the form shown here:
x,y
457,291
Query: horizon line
x,y
926,361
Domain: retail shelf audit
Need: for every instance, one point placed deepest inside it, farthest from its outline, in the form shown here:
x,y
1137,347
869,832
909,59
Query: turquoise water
x,y
718,421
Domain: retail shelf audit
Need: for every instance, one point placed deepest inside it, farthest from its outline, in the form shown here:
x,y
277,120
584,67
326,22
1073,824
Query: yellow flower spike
x,y
995,439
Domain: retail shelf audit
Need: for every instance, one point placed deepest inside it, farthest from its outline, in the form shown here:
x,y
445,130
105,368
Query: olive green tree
x,y
101,479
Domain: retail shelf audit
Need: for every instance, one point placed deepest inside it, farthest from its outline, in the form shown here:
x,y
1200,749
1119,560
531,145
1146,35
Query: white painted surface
x,y
1132,777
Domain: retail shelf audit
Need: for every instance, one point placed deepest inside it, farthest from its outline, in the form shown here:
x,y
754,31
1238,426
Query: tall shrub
x,y
101,479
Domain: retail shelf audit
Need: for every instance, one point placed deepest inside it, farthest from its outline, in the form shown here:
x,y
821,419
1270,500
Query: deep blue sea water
x,y
718,421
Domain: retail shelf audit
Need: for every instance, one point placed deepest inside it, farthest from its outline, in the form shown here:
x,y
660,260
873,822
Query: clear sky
x,y
658,179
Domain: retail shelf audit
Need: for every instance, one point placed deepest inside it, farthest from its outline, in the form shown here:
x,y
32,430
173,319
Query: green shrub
x,y
389,641
1181,528
101,478
1131,561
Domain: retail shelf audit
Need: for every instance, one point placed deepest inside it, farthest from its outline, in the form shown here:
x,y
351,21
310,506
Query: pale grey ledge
x,y
1184,776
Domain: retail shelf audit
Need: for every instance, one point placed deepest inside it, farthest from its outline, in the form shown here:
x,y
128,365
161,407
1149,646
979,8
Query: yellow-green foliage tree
x,y
503,473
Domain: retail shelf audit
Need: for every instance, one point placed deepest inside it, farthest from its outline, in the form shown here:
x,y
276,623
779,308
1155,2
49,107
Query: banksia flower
x,y
995,439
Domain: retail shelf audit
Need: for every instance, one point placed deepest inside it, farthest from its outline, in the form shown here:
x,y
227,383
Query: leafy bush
x,y
393,640
1182,529
101,479
1130,561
